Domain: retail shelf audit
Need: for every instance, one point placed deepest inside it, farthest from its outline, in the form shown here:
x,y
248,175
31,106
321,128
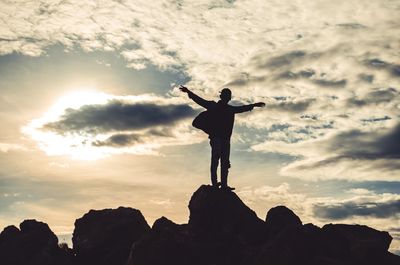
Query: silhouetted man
x,y
223,116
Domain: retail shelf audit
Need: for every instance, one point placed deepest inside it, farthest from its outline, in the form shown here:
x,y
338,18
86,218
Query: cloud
x,y
291,104
118,140
330,83
119,116
349,209
130,139
334,67
100,124
295,75
367,145
356,155
376,96
7,147
393,69
281,60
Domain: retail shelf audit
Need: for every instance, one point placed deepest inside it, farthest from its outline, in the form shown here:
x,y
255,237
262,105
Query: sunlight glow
x,y
80,146
75,146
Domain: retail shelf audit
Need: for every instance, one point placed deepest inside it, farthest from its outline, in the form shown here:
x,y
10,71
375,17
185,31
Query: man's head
x,y
225,95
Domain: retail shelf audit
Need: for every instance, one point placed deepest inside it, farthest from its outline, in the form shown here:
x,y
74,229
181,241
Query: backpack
x,y
204,121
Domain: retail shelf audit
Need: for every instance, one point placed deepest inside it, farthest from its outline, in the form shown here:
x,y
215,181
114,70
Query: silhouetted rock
x,y
33,244
106,236
166,243
363,244
280,218
221,230
216,211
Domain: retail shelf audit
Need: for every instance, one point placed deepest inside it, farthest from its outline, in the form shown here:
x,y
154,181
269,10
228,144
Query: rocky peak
x,y
221,230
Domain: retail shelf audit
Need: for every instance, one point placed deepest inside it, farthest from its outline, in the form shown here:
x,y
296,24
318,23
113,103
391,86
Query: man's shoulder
x,y
212,103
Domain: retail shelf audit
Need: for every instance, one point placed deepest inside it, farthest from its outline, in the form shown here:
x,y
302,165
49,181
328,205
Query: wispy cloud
x,y
337,69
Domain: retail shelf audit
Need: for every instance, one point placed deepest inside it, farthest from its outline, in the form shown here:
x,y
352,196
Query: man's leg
x,y
225,163
215,156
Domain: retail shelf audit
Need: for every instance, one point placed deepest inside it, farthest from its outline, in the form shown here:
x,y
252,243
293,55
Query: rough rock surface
x,y
280,218
106,236
33,244
221,230
221,212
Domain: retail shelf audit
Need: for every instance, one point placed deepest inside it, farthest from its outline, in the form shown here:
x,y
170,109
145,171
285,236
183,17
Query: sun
x,y
72,145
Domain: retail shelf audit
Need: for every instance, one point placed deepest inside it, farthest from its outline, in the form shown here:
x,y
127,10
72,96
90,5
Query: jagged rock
x,y
363,244
292,245
106,236
33,244
9,233
333,244
166,243
222,230
280,218
218,211
164,224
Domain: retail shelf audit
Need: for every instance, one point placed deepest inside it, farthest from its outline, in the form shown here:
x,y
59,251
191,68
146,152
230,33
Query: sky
x,y
92,116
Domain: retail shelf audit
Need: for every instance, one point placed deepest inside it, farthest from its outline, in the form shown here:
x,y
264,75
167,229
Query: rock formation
x,y
33,244
221,230
104,237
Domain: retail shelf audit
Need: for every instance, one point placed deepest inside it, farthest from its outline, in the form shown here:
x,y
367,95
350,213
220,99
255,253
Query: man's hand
x,y
259,104
183,89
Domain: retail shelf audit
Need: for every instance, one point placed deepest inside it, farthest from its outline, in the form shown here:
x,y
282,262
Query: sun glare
x,y
74,146
80,145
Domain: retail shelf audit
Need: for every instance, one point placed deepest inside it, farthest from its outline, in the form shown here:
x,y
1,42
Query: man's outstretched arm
x,y
199,100
244,108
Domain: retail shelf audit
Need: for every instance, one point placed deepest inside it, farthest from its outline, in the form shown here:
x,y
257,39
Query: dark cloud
x,y
367,145
358,145
393,69
351,26
119,140
292,105
375,97
385,118
118,116
366,77
351,209
330,83
245,79
310,74
127,139
295,75
279,61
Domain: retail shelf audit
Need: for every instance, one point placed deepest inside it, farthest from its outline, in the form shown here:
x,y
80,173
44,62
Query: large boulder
x,y
280,218
33,244
221,230
333,244
104,237
363,243
221,212
166,243
295,244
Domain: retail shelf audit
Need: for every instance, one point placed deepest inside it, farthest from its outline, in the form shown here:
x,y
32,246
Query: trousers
x,y
220,151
